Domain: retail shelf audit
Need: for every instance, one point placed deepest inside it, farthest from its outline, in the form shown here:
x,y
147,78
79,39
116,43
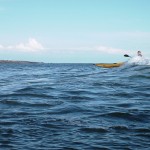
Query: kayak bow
x,y
109,65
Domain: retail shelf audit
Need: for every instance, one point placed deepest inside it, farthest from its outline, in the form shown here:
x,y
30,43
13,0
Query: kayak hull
x,y
109,65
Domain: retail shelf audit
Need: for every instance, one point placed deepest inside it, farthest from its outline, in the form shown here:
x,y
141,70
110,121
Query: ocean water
x,y
74,107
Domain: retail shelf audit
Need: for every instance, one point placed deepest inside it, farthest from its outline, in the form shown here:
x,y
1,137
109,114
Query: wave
x,y
137,60
110,107
137,68
125,115
97,130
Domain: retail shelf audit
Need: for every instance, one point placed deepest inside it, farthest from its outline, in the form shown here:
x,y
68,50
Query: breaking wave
x,y
137,60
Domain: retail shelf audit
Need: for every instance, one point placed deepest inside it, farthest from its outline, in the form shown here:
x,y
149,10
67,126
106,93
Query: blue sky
x,y
86,31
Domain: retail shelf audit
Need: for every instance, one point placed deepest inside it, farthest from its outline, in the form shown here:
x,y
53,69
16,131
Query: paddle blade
x,y
126,55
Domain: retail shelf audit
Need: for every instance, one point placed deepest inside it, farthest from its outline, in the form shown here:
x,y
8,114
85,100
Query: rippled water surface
x,y
74,107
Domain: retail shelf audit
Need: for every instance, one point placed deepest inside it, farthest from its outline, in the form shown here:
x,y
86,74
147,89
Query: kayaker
x,y
139,53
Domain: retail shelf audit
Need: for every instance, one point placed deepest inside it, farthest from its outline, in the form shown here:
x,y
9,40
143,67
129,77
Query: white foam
x,y
137,60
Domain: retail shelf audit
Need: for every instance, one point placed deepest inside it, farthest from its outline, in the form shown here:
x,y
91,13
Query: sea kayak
x,y
109,65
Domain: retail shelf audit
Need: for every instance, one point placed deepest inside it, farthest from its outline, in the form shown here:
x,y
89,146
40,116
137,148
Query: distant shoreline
x,y
17,61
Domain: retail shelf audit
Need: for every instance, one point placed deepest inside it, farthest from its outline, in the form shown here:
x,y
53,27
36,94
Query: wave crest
x,y
137,60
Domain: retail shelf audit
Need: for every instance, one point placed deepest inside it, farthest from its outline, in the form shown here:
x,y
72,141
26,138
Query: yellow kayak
x,y
109,65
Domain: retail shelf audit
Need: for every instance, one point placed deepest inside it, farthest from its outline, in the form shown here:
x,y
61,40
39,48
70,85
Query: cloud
x,y
1,47
111,50
31,46
100,49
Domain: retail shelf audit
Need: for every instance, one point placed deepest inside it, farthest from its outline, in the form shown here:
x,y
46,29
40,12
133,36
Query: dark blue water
x,y
74,107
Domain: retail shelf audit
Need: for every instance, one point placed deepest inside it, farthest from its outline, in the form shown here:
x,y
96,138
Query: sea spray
x,y
137,60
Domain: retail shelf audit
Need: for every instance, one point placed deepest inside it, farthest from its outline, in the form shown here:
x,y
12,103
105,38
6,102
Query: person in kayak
x,y
139,53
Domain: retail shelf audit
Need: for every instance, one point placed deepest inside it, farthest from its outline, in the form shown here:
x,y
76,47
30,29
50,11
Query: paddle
x,y
127,55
